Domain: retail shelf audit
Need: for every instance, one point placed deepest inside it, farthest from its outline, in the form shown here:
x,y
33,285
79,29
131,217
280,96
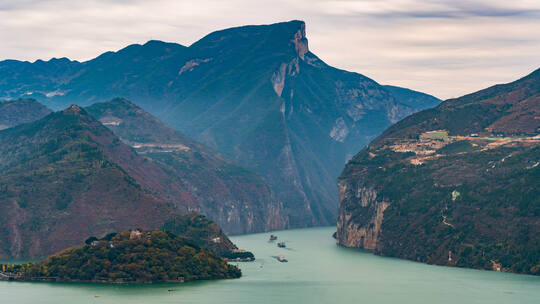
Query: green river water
x,y
317,272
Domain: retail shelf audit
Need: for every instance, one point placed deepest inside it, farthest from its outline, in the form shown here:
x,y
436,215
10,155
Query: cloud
x,y
447,48
432,9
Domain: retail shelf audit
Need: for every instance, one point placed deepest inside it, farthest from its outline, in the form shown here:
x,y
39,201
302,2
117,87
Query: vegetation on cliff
x,y
136,256
460,184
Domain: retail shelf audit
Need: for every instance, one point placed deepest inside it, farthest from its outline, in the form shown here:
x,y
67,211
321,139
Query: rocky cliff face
x,y
255,94
359,225
456,185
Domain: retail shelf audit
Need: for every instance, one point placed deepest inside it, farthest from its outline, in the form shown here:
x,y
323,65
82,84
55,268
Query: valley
x,y
255,94
308,151
248,129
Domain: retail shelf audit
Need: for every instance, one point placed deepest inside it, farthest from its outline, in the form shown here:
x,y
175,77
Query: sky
x,y
447,48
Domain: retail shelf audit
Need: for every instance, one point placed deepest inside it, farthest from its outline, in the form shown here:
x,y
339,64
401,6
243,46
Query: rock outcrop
x,y
359,226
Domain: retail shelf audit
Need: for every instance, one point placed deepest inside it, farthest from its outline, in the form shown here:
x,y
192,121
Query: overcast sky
x,y
443,47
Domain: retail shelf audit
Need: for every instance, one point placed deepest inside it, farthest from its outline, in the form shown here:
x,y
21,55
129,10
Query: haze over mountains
x,y
16,112
254,93
237,199
455,185
66,176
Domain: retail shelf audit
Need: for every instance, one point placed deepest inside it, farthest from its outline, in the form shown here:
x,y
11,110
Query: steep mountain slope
x,y
256,94
66,177
238,200
60,182
15,112
455,185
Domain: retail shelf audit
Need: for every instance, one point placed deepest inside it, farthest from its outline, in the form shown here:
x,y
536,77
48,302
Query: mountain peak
x,y
294,25
121,101
298,30
159,44
73,109
268,37
76,114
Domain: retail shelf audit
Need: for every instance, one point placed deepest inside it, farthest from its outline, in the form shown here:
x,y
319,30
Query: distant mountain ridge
x,y
16,112
254,93
455,185
412,98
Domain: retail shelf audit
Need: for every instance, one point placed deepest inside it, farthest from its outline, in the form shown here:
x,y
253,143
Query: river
x,y
317,272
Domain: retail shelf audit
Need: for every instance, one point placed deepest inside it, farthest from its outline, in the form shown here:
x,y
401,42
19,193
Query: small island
x,y
239,255
135,256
